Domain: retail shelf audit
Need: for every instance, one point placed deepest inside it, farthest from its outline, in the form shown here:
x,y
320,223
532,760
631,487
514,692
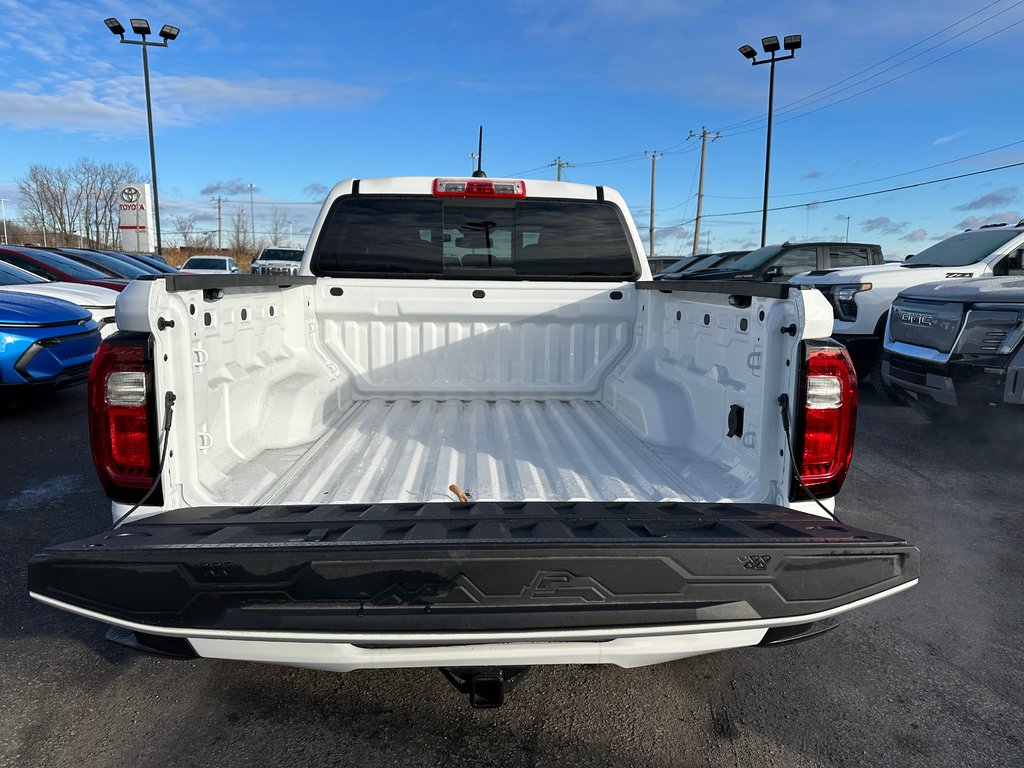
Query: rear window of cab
x,y
465,238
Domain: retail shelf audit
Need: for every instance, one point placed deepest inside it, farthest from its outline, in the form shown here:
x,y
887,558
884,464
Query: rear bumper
x,y
464,574
622,646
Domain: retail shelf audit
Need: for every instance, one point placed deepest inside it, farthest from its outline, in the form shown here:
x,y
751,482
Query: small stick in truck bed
x,y
459,493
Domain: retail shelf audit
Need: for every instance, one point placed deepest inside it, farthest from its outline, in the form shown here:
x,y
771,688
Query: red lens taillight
x,y
121,417
513,188
828,417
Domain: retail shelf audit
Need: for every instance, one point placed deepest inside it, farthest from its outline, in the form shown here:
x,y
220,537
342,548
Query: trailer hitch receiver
x,y
486,687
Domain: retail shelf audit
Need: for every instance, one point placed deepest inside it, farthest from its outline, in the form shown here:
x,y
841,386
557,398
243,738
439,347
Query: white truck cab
x,y
861,296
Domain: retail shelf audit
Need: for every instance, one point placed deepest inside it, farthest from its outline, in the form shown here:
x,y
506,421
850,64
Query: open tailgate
x,y
468,567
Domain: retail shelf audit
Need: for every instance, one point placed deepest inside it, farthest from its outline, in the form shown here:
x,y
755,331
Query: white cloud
x,y
999,197
1006,217
947,139
884,224
115,106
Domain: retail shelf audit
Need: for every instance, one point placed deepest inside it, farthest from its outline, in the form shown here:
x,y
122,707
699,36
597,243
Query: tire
x,y
950,416
885,391
933,412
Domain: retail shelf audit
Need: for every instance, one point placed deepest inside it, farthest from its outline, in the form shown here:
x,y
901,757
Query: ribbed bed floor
x,y
511,450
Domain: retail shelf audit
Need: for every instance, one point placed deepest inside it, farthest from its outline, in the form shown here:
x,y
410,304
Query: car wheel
x,y
885,391
949,415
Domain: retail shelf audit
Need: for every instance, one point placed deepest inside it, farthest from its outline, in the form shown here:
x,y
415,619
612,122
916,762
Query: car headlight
x,y
843,300
991,332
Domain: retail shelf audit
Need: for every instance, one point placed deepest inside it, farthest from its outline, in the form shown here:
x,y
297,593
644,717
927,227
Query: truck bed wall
x,y
271,371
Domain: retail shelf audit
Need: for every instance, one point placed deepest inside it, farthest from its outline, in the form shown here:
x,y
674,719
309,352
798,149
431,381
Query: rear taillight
x,y
514,188
827,417
121,416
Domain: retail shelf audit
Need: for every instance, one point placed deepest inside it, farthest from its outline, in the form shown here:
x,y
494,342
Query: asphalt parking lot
x,y
933,677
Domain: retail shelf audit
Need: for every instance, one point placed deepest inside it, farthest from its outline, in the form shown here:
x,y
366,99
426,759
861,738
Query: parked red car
x,y
53,266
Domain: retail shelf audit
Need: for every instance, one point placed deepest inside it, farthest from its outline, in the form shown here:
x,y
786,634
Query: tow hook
x,y
485,686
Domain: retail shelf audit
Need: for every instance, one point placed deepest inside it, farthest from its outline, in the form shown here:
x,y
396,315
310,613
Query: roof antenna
x,y
479,172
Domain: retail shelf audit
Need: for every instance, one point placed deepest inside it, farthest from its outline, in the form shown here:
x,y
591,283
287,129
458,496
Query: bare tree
x,y
278,225
191,237
58,204
238,232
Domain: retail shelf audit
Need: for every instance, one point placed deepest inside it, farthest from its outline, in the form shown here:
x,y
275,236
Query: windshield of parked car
x,y
60,263
398,235
11,275
754,259
963,249
116,267
205,262
280,254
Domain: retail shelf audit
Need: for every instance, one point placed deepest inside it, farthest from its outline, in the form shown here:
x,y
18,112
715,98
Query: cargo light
x,y
120,418
512,188
828,418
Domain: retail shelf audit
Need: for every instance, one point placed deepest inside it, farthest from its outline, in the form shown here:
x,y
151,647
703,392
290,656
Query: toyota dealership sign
x,y
136,204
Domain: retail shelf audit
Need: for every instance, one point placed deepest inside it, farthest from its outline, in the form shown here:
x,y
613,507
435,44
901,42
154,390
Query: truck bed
x,y
402,450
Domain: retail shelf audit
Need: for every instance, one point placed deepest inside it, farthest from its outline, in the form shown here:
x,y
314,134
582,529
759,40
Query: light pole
x,y
252,220
167,33
4,212
771,46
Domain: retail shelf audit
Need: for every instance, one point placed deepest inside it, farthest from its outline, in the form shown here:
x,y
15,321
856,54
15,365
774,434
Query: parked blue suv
x,y
44,341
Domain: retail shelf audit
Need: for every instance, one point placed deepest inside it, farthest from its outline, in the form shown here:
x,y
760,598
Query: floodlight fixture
x,y
167,33
771,46
114,26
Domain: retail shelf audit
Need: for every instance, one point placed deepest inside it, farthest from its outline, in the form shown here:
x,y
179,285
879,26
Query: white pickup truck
x,y
471,434
861,296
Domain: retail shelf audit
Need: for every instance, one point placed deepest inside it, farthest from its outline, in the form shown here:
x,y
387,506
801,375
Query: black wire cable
x,y
784,405
169,399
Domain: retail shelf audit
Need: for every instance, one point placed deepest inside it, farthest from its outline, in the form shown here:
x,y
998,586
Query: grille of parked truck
x,y
958,345
471,433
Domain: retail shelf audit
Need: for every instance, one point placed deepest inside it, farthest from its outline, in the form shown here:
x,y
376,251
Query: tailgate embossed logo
x,y
755,562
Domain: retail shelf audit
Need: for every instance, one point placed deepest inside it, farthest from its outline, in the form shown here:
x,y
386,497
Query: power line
x,y
870,194
795,106
874,181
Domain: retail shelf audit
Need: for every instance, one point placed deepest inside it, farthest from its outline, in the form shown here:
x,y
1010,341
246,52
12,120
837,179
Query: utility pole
x,y
218,200
4,212
472,162
252,218
559,163
847,230
704,133
654,155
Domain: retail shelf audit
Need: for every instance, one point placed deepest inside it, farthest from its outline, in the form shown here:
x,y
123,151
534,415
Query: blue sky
x,y
293,97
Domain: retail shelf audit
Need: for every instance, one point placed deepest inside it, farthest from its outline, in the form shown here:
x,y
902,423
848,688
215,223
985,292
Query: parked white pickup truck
x,y
861,296
471,434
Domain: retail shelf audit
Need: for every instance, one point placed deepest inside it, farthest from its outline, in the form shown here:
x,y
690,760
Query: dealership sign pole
x,y
135,202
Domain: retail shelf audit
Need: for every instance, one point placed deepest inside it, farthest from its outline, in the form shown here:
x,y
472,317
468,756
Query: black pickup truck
x,y
958,344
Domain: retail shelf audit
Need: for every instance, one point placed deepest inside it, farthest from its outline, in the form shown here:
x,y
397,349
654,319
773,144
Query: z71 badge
x,y
959,274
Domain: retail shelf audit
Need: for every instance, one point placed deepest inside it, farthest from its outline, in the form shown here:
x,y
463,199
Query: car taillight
x,y
121,417
479,188
827,417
